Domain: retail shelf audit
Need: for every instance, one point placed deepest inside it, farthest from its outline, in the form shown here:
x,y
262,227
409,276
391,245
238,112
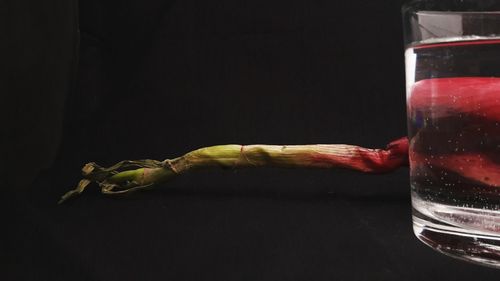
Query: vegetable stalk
x,y
128,176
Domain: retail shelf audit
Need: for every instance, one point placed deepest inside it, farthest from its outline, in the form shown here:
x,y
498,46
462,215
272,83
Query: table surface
x,y
265,224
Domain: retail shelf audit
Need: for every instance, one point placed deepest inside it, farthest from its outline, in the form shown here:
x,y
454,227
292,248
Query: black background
x,y
156,79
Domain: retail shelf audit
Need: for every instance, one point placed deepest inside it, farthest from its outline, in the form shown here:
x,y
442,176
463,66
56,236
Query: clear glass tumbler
x,y
453,103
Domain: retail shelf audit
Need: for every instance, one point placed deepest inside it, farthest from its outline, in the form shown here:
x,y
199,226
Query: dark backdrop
x,y
156,79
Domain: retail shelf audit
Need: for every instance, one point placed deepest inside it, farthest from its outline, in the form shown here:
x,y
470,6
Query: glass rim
x,y
451,6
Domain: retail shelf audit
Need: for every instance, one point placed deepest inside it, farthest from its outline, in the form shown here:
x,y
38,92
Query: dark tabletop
x,y
257,225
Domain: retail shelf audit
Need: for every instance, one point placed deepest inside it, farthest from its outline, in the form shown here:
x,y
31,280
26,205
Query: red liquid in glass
x,y
453,122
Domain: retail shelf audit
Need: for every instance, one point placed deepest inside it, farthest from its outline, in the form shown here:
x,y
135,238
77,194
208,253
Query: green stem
x,y
119,178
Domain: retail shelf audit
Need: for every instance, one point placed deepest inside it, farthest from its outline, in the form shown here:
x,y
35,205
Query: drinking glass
x,y
452,58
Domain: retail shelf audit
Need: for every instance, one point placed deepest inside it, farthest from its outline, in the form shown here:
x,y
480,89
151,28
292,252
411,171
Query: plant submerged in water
x,y
128,176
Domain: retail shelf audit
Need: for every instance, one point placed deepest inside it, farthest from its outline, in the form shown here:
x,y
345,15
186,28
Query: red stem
x,y
364,159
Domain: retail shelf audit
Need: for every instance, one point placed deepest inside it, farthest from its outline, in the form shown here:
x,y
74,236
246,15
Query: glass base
x,y
465,233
